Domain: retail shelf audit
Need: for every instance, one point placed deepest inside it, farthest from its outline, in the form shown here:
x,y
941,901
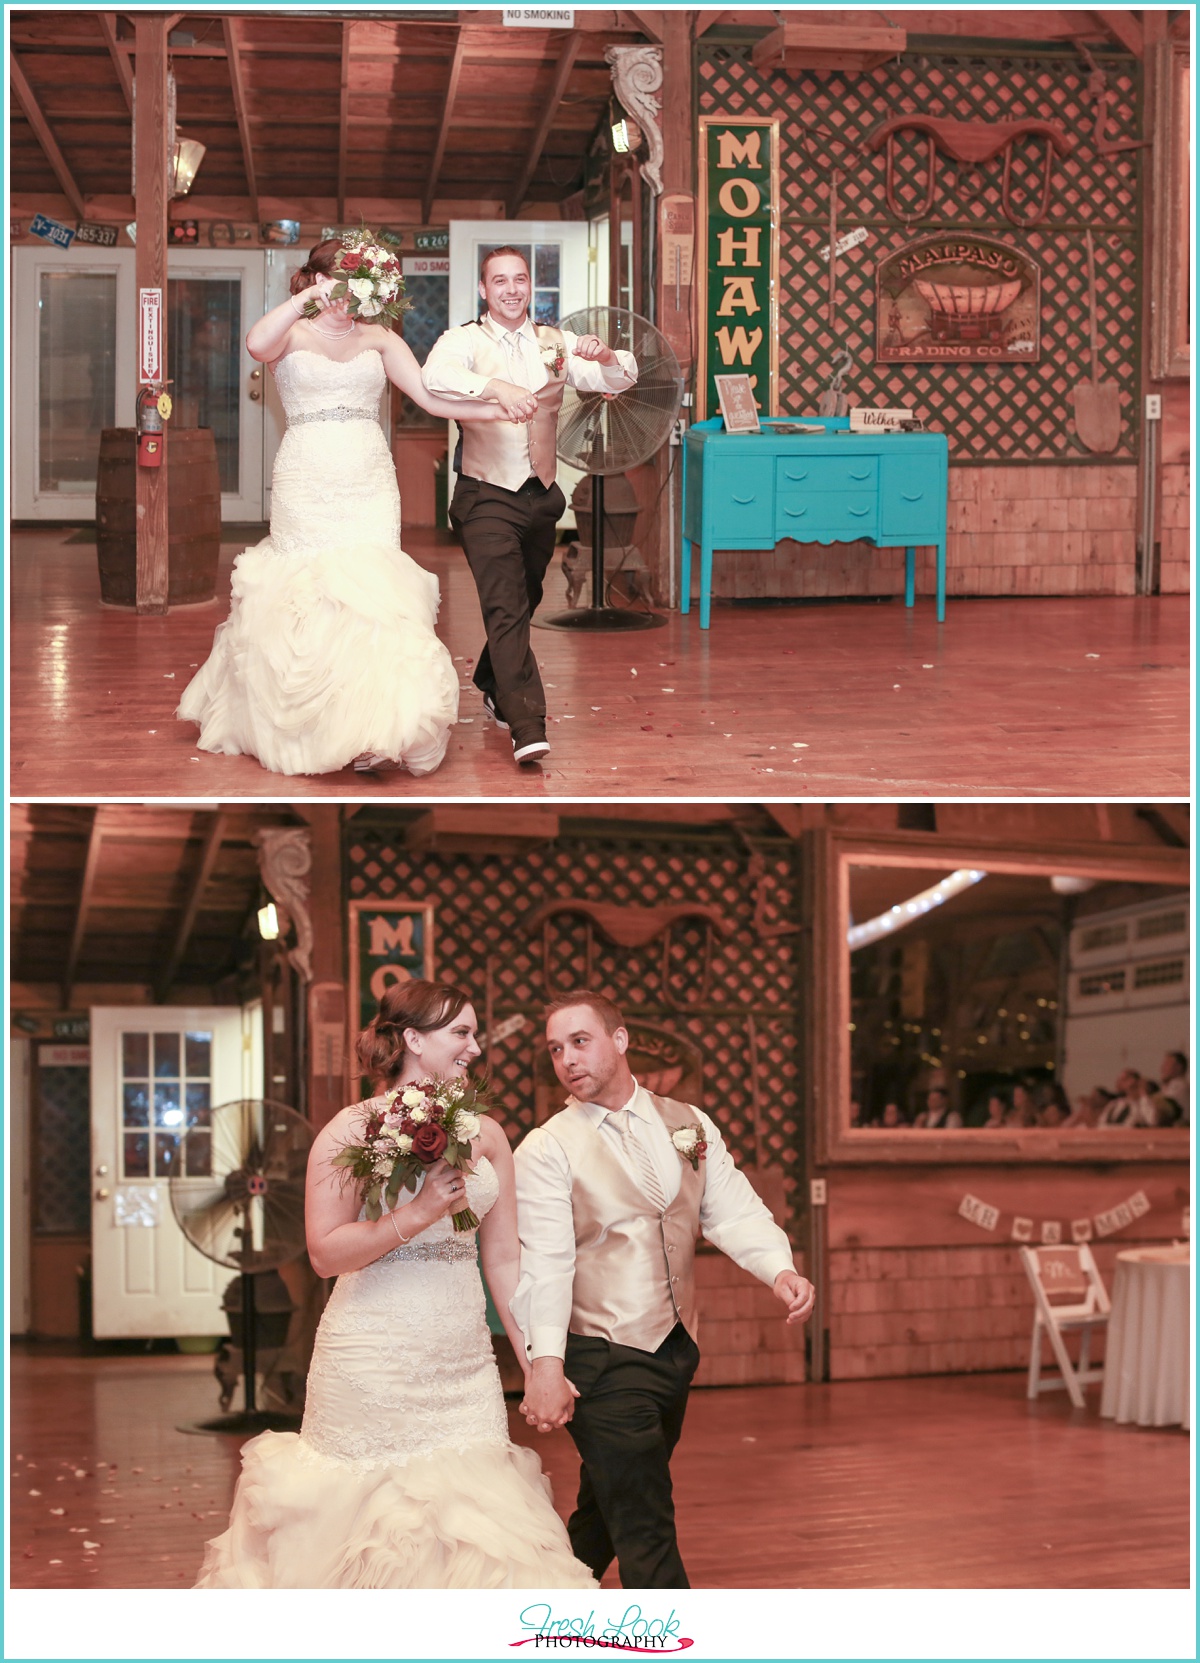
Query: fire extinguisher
x,y
153,407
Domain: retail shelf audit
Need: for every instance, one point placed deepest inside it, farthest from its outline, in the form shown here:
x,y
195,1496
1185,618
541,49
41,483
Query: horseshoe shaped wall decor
x,y
971,142
631,927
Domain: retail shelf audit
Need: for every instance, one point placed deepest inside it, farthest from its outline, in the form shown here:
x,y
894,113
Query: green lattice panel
x,y
990,412
483,904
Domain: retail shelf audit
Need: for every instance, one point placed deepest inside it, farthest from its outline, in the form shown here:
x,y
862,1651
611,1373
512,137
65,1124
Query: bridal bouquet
x,y
418,1124
369,280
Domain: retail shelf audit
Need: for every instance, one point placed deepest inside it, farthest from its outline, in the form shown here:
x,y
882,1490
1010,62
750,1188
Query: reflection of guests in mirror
x,y
1088,1108
1173,1074
1053,1105
892,1116
1023,1111
997,1109
937,1115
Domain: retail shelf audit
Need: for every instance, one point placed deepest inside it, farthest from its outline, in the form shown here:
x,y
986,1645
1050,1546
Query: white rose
x,y
361,287
419,1116
685,1139
404,1143
466,1126
413,1098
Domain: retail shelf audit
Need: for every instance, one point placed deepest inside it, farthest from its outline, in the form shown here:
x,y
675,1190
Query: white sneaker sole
x,y
490,710
528,753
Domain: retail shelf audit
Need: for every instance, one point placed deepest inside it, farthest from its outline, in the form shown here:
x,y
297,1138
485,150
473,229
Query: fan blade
x,y
634,425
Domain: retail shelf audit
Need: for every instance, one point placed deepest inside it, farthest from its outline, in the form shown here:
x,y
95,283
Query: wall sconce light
x,y
626,136
185,164
268,922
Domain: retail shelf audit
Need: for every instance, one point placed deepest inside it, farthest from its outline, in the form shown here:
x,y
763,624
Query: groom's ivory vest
x,y
488,447
633,1262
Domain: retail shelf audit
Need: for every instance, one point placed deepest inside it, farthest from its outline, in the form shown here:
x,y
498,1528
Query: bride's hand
x,y
444,1191
320,292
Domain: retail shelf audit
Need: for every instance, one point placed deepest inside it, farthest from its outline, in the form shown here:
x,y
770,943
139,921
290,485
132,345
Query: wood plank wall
x,y
916,1289
744,1340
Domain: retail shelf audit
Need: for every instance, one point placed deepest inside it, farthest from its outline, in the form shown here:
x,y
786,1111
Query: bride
x,y
328,656
403,1475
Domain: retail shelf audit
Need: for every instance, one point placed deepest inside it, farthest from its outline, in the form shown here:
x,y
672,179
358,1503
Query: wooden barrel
x,y
193,515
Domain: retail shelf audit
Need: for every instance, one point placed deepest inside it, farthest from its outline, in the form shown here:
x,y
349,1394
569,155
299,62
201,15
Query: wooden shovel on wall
x,y
1097,403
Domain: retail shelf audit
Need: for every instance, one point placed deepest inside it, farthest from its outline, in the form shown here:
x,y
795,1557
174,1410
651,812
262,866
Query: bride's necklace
x,y
335,334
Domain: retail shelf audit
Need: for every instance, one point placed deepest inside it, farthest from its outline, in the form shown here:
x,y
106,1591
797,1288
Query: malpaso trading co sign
x,y
739,266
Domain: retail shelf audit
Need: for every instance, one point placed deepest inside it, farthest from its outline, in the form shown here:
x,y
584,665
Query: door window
x,y
77,369
204,335
166,1090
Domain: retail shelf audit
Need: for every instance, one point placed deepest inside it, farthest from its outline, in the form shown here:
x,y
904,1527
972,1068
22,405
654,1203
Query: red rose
x,y
348,261
429,1141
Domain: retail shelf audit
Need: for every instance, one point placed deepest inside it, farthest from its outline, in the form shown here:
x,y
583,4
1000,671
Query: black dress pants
x,y
627,1421
508,538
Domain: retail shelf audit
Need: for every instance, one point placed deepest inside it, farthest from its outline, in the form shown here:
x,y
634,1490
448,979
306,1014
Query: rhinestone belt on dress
x,y
339,413
454,1247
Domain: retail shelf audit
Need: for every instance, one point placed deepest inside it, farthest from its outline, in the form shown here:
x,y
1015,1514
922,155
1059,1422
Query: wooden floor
x,y
952,1482
1020,697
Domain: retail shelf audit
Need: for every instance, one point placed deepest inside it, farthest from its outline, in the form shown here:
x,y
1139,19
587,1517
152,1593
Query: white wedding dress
x,y
403,1475
329,651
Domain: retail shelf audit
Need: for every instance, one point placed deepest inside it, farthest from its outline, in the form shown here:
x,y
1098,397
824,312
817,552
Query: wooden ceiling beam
x,y
108,28
650,23
439,151
87,884
238,88
343,122
562,74
1125,28
41,131
213,839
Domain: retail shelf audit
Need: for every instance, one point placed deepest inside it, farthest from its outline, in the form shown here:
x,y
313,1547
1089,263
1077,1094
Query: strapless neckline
x,y
309,353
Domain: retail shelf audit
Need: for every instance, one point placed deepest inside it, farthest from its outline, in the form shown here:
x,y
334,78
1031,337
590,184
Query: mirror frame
x,y
1171,240
830,855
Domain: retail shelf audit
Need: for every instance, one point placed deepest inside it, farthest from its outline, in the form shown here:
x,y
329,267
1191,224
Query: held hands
x,y
549,1400
593,348
518,403
796,1293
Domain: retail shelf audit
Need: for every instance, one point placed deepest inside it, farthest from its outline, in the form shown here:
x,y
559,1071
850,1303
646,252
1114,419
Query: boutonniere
x,y
690,1144
554,356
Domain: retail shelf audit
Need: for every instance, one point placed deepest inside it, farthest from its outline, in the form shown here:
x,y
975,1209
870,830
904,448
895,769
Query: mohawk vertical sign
x,y
739,263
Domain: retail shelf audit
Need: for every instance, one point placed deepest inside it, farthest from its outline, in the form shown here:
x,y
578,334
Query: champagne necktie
x,y
638,1157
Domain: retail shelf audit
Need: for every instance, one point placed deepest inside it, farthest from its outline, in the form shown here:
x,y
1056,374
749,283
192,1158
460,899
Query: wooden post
x,y
330,1007
151,203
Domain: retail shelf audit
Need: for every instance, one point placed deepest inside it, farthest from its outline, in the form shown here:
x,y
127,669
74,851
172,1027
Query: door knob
x,y
102,1171
256,375
101,1195
255,394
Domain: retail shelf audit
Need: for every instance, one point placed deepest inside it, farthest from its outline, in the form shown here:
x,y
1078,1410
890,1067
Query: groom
x,y
507,501
612,1193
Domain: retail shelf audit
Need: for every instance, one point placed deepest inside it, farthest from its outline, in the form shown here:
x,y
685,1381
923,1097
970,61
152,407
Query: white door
x,y
563,264
20,1313
156,1072
73,367
281,263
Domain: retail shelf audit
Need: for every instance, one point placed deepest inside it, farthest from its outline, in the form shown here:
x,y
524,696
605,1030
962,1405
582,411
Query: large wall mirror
x,y
992,1005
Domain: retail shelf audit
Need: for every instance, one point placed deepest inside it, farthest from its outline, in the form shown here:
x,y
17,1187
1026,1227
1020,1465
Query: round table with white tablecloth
x,y
1148,1348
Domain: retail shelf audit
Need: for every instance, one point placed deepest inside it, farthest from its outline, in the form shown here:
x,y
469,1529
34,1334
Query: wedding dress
x,y
403,1475
329,651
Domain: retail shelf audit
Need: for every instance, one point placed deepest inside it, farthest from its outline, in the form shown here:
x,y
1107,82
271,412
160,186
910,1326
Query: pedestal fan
x,y
602,435
247,1214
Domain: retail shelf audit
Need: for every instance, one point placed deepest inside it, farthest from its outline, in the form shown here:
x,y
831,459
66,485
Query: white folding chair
x,y
1068,1295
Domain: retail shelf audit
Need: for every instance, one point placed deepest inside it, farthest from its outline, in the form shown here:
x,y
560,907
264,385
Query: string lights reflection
x,y
905,912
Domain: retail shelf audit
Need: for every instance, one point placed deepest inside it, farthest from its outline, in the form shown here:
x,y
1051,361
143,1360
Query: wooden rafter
x,y
41,131
238,88
108,28
562,74
650,23
213,839
344,123
87,884
439,151
1125,29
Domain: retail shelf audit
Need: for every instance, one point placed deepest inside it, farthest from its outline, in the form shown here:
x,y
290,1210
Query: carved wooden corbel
x,y
284,862
637,75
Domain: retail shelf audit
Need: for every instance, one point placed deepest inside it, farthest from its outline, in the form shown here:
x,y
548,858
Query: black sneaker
x,y
489,704
529,750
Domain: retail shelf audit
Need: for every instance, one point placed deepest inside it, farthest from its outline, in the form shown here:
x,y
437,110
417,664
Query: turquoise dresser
x,y
751,490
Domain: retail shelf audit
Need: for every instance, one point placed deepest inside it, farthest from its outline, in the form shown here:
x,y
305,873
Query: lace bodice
x,y
403,1359
308,382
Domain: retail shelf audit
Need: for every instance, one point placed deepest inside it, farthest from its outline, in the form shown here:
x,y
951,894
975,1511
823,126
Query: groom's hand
x,y
593,348
797,1294
518,403
549,1400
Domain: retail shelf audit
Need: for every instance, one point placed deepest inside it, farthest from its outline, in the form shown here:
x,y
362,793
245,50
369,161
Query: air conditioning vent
x,y
1160,973
1157,924
1100,982
1103,935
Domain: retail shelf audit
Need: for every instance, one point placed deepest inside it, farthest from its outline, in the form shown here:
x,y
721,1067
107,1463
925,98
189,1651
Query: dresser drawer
x,y
912,498
826,473
739,498
820,516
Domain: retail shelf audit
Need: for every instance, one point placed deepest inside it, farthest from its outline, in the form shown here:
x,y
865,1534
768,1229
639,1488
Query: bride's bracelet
x,y
396,1228
299,310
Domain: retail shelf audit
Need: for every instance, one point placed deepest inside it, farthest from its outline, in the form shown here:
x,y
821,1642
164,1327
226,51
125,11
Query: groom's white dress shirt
x,y
732,1217
465,359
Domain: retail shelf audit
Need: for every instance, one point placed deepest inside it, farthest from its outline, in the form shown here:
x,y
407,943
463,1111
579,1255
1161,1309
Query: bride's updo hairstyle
x,y
420,1005
320,263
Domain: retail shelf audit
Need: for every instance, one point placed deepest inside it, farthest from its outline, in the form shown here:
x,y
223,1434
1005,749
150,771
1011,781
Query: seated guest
x,y
892,1115
997,1108
1173,1075
1131,1105
937,1113
1022,1113
1052,1104
1089,1108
